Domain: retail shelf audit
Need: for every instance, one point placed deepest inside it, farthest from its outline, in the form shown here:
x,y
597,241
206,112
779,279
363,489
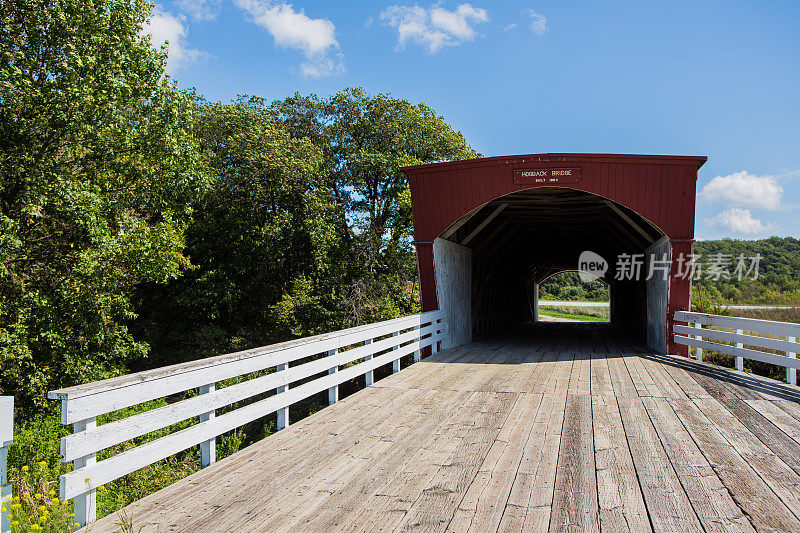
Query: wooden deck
x,y
559,427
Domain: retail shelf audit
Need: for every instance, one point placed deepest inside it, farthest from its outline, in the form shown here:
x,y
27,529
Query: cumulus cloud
x,y
166,27
434,28
316,38
740,222
200,9
745,189
538,22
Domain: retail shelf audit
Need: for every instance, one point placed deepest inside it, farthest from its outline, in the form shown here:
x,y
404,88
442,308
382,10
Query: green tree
x,y
262,239
98,167
365,140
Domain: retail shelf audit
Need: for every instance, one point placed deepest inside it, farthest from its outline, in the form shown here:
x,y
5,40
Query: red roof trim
x,y
697,161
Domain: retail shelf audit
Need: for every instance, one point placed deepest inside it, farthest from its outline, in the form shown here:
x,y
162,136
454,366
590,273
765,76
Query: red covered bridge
x,y
488,231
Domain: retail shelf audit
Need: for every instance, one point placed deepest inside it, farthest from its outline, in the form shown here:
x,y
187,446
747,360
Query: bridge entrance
x,y
488,231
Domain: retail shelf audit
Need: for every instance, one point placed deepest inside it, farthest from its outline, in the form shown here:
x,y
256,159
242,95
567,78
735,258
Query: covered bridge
x,y
488,231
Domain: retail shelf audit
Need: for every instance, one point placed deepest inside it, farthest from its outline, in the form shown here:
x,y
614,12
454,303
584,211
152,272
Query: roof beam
x,y
629,220
483,224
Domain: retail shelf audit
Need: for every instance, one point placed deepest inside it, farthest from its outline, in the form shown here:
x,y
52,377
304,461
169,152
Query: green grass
x,y
573,315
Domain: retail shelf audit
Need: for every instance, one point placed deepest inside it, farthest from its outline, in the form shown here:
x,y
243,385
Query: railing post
x,y
6,438
396,362
739,358
417,353
283,414
85,505
369,377
208,449
435,344
698,325
791,373
333,392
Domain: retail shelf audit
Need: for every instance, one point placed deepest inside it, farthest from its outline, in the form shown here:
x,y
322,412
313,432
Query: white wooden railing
x,y
731,339
365,347
6,438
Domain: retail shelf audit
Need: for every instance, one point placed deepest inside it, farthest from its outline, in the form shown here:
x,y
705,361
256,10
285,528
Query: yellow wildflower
x,y
25,468
38,496
102,487
16,506
42,463
42,508
54,501
26,494
88,479
14,523
73,515
51,492
77,524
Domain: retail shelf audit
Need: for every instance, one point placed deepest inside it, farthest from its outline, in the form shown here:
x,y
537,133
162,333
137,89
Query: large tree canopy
x,y
307,227
365,141
99,168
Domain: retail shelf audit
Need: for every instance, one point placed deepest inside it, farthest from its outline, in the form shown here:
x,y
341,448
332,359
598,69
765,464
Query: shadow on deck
x,y
552,426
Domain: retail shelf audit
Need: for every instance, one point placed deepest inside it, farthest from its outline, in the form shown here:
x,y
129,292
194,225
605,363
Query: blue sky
x,y
720,79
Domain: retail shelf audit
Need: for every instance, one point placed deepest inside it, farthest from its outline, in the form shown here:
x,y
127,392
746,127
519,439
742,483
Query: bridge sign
x,y
547,176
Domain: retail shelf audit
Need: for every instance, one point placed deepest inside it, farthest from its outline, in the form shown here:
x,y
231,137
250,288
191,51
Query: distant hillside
x,y
779,271
778,278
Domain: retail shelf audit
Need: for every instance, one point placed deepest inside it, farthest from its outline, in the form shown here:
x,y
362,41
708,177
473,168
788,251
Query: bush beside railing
x,y
363,349
733,342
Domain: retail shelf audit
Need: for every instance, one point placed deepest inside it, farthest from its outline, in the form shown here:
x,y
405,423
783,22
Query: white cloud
x,y
316,38
436,27
538,22
166,27
745,189
200,9
740,222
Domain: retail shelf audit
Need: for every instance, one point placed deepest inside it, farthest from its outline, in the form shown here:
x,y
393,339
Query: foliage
x,y
98,167
568,287
779,271
36,506
307,227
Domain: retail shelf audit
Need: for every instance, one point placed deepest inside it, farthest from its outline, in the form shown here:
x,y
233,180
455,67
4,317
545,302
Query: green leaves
x,y
99,168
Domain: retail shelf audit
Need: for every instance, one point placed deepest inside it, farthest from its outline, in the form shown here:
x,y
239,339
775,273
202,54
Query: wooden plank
x,y
770,467
575,504
710,499
763,506
430,511
667,502
620,500
482,507
781,418
390,502
531,498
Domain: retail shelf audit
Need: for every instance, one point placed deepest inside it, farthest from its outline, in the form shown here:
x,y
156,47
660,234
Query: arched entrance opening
x,y
487,231
518,240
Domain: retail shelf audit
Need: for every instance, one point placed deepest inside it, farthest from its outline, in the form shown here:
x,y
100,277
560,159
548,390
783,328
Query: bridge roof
x,y
697,161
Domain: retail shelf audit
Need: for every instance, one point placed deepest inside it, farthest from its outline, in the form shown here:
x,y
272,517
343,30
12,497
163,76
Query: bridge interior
x,y
520,239
546,426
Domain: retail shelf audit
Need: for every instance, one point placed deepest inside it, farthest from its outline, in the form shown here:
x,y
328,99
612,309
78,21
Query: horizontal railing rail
x,y
343,355
731,334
